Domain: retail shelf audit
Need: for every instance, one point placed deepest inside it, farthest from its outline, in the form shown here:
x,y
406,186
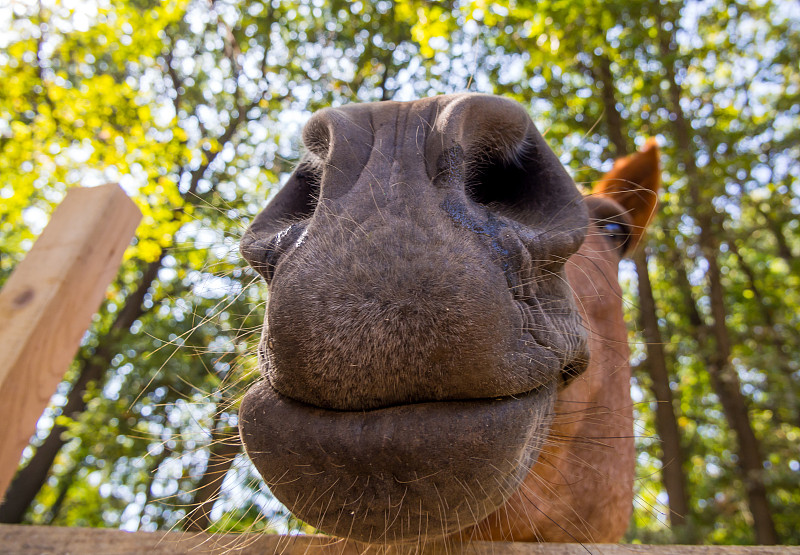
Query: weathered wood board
x,y
48,302
29,540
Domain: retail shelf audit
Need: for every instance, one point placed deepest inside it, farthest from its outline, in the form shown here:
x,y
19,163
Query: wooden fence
x,y
30,540
48,302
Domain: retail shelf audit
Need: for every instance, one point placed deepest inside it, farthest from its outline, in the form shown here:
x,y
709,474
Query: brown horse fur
x,y
429,314
581,488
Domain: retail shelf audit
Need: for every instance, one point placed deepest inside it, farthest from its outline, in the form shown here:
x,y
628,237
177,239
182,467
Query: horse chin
x,y
395,474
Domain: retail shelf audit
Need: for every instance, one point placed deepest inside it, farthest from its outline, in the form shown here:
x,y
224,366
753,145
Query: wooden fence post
x,y
48,302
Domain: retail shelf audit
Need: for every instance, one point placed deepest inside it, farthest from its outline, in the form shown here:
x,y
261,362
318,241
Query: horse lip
x,y
358,459
376,411
390,410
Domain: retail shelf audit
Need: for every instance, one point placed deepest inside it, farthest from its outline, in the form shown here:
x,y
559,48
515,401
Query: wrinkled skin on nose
x,y
419,323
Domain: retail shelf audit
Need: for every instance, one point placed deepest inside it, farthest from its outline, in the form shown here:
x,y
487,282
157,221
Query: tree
x,y
195,107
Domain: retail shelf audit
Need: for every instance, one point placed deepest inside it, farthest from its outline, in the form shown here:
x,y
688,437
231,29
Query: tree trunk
x,y
225,445
614,122
726,383
681,281
780,239
673,459
724,378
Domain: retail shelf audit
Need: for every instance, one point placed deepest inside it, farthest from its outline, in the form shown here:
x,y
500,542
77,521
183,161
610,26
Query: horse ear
x,y
633,182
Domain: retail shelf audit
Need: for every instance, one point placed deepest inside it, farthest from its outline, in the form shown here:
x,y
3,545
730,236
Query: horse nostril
x,y
270,258
254,251
264,254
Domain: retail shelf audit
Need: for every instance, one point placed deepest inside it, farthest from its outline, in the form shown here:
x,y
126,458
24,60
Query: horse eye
x,y
615,231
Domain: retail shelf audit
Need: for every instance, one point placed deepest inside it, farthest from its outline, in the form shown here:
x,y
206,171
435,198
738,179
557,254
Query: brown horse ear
x,y
633,182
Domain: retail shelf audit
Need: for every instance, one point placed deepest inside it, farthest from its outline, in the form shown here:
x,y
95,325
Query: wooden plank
x,y
29,540
48,302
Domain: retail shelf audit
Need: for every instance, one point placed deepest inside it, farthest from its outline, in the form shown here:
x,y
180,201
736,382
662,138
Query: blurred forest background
x,y
195,107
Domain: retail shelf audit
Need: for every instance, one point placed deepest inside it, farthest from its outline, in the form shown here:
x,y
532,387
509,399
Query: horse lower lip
x,y
451,463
